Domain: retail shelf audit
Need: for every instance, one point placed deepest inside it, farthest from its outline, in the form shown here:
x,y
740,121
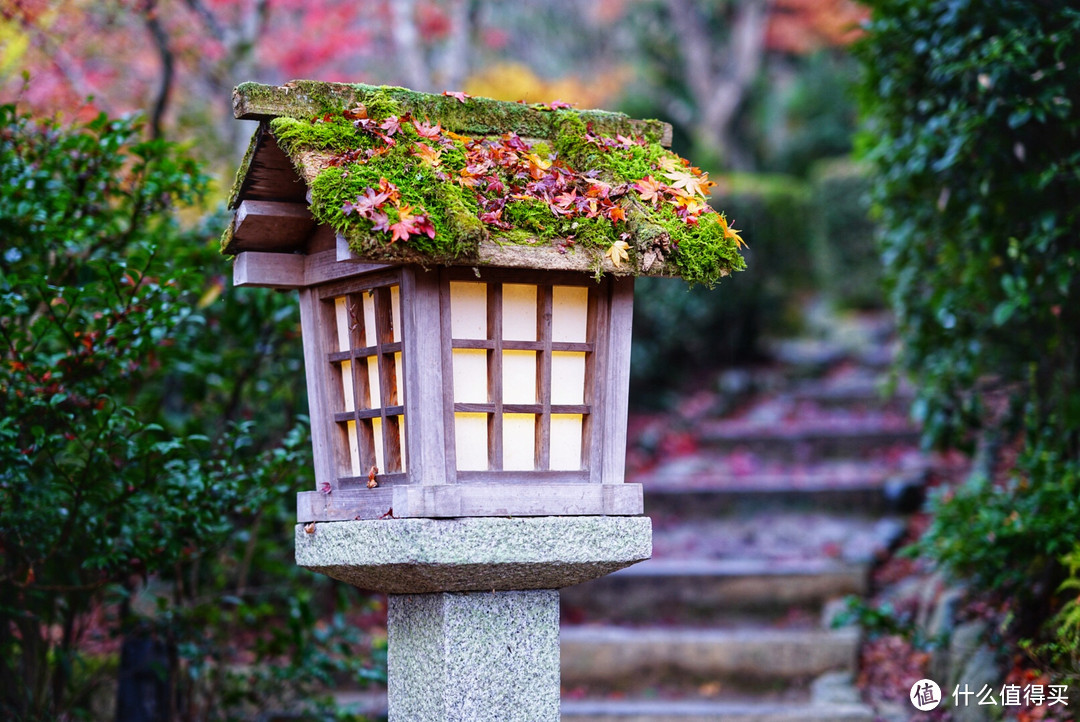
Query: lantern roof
x,y
451,179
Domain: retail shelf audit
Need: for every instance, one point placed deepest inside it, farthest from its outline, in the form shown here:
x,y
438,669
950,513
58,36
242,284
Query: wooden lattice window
x,y
369,410
521,362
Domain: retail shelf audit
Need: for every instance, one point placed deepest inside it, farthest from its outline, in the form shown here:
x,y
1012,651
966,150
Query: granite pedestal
x,y
473,618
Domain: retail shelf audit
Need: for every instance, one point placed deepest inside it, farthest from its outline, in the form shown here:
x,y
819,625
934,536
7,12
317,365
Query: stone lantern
x,y
465,274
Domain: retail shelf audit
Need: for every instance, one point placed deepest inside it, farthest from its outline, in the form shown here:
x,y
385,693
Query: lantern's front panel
x,y
519,357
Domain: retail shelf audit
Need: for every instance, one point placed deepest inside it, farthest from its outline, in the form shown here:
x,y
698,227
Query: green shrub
x,y
847,264
138,495
972,127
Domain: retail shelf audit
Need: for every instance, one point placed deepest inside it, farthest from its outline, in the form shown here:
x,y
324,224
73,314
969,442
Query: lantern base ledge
x,y
420,556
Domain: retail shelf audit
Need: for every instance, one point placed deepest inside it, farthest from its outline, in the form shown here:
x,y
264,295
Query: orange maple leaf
x,y
650,189
732,233
431,156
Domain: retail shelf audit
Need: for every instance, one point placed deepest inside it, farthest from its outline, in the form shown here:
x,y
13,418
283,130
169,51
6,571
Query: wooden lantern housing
x,y
492,386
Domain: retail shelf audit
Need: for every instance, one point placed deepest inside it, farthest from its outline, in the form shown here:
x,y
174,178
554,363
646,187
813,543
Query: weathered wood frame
x,y
430,485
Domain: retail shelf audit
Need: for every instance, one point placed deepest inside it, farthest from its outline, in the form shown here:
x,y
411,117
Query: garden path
x,y
772,495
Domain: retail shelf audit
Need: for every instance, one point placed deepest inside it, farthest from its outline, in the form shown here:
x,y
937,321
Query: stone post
x,y
473,628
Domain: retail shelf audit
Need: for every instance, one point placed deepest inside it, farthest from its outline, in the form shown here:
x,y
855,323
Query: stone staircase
x,y
765,515
771,496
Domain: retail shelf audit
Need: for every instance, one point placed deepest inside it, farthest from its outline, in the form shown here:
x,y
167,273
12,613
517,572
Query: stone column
x,y
474,656
474,609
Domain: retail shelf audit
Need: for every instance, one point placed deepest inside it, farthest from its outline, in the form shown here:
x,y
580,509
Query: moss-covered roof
x,y
452,179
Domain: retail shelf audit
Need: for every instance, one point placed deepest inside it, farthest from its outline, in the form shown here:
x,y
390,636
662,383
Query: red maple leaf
x,y
380,222
406,225
391,190
457,94
426,130
391,125
368,203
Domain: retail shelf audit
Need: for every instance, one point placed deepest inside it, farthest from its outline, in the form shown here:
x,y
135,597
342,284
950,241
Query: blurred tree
x,y
704,57
179,60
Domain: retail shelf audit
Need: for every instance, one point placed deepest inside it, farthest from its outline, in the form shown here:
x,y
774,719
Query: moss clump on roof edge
x,y
226,237
476,116
426,169
242,171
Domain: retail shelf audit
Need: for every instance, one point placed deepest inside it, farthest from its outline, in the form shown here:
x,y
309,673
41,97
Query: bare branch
x,y
455,65
407,44
168,61
696,50
209,20
719,75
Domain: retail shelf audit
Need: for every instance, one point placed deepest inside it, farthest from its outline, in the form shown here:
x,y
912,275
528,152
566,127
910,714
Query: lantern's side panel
x,y
523,419
319,334
357,347
519,349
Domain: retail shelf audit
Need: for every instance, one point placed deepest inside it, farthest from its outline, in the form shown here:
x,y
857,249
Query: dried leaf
x,y
426,130
431,156
357,112
618,253
732,233
310,527
691,183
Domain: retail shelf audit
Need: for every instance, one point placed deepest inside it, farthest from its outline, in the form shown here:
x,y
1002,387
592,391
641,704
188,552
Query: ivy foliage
x,y
972,125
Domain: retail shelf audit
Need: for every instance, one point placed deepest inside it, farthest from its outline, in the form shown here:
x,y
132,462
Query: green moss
x,y
701,253
624,166
226,239
380,105
451,210
706,254
336,135
306,99
571,145
532,216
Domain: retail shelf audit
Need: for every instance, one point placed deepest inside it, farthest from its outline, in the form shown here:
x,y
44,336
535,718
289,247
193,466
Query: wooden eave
x,y
270,201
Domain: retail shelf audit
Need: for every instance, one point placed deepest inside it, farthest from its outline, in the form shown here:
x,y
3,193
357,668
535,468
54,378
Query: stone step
x,y
371,704
754,658
807,441
778,537
698,493
710,711
865,390
684,591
